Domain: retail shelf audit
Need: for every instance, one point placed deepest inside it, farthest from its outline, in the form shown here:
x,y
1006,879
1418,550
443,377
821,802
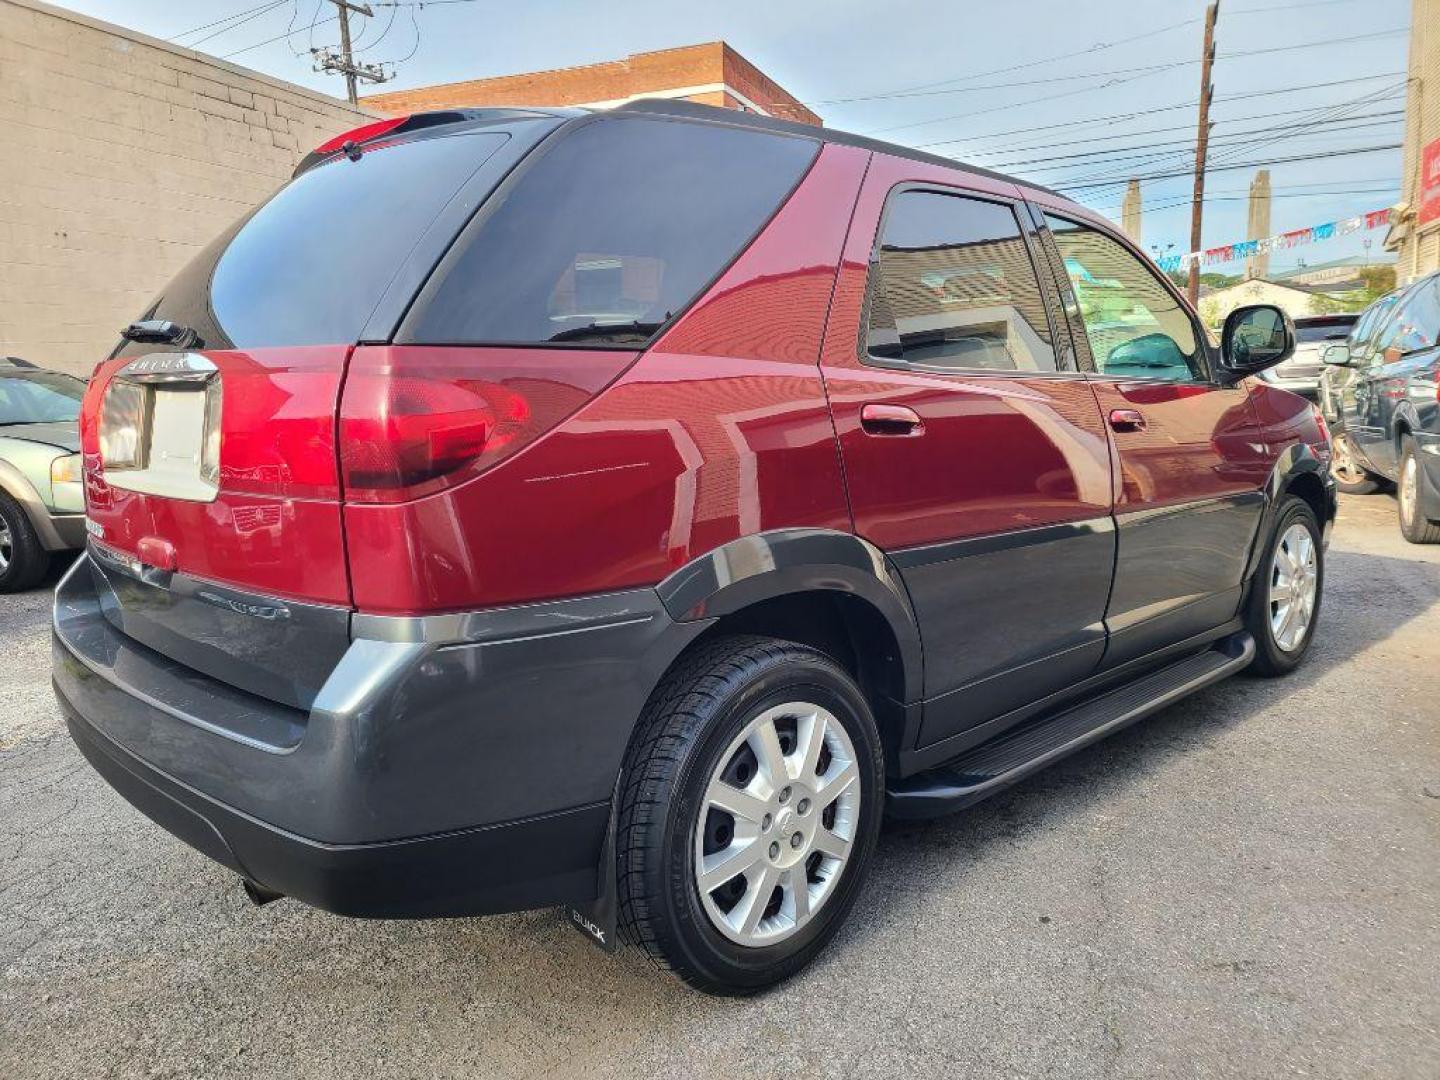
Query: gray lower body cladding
x,y
449,765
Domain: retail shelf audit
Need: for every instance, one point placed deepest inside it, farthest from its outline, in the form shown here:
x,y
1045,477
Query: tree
x,y
1378,280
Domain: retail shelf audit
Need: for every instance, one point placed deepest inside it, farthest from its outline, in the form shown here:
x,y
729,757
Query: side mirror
x,y
1336,356
1255,337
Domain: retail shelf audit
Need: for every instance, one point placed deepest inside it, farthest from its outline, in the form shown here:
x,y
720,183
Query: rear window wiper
x,y
161,332
627,332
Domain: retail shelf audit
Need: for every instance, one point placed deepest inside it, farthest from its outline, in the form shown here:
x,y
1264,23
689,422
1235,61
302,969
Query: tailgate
x,y
211,474
233,567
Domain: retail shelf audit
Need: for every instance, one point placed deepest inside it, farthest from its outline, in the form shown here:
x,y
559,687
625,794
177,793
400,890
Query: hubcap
x,y
1294,584
1409,490
1342,461
7,545
777,824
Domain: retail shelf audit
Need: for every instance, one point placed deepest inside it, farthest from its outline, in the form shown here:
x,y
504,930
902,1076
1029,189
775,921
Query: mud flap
x,y
598,919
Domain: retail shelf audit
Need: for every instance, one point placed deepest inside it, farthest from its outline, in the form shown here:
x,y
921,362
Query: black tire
x,y
690,722
1270,659
28,559
1350,476
1414,525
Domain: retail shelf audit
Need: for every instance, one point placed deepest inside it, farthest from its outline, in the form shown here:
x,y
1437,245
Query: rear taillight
x,y
416,420
1322,445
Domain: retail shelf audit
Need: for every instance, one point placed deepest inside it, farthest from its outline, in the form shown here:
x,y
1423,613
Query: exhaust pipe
x,y
258,894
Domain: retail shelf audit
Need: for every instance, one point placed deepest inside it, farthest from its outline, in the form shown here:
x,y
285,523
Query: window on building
x,y
1135,326
955,290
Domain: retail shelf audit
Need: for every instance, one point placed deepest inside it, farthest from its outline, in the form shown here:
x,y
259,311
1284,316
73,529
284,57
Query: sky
x,y
1062,92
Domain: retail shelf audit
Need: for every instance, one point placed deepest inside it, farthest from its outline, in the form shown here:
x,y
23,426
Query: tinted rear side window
x,y
955,289
1326,332
611,231
310,265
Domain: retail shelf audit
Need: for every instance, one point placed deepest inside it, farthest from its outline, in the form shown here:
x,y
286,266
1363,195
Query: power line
x,y
1328,42
217,22
908,91
1247,165
1089,140
1158,109
1185,200
1317,117
279,37
1389,117
236,25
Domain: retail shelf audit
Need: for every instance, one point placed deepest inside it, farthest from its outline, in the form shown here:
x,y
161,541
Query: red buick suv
x,y
623,511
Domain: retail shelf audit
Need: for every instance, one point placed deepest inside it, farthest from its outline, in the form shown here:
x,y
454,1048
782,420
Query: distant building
x,y
1415,228
1336,272
712,74
1131,211
1294,299
1258,266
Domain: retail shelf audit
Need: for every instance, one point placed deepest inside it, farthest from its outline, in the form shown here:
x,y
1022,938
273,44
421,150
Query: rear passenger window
x,y
955,290
613,230
1135,326
1417,324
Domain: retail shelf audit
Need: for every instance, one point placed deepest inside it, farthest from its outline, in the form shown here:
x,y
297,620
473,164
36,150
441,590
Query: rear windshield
x,y
613,230
1331,332
309,266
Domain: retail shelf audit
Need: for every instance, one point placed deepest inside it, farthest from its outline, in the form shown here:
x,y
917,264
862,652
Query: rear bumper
x,y
533,863
452,766
66,532
1427,455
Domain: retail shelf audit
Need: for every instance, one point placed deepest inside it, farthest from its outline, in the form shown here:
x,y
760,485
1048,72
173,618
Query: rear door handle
x,y
878,419
1126,420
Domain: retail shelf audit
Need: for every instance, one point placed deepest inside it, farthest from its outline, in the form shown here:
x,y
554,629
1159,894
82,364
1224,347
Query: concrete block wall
x,y
120,157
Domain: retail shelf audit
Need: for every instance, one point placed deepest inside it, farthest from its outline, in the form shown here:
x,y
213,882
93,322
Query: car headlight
x,y
66,470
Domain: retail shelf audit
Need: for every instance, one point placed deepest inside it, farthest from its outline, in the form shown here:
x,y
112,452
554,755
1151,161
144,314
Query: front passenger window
x,y
1136,327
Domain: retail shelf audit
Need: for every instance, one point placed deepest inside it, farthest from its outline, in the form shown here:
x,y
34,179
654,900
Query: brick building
x,y
712,74
1415,231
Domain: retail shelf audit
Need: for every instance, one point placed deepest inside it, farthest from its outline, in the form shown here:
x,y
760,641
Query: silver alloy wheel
x,y
1342,461
7,546
777,824
1409,490
1294,584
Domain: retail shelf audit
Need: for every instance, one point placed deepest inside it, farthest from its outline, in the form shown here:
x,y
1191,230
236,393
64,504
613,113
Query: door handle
x,y
1126,420
878,419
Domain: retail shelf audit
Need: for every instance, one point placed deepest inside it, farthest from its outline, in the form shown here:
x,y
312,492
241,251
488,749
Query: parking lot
x,y
1244,886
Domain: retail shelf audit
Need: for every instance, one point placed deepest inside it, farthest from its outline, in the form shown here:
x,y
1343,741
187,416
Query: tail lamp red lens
x,y
416,420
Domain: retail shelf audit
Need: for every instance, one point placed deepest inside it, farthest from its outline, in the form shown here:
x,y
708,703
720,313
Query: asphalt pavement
x,y
1245,885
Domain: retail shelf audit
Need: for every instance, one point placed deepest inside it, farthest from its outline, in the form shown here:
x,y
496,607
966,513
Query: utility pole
x,y
1202,145
345,62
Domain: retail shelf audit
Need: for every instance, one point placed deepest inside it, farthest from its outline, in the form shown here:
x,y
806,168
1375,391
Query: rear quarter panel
x,y
720,430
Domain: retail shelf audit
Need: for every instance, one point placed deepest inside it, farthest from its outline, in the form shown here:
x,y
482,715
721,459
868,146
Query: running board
x,y
1008,758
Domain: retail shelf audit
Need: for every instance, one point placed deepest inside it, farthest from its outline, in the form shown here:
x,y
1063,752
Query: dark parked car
x,y
42,504
1382,390
1313,335
623,510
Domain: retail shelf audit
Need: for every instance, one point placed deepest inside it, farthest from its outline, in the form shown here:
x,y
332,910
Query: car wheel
x,y
751,805
1350,476
1414,526
23,561
1285,596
